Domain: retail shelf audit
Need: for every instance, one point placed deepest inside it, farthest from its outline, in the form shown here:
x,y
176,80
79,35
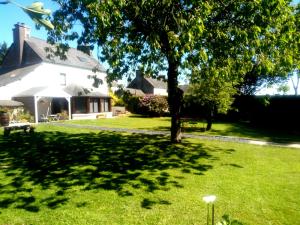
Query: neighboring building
x,y
51,85
146,85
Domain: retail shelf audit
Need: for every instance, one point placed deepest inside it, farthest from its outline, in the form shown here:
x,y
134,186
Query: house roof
x,y
76,90
10,103
157,83
133,91
75,58
8,76
44,92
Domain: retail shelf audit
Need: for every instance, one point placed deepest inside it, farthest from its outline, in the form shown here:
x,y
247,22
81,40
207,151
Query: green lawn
x,y
71,176
196,127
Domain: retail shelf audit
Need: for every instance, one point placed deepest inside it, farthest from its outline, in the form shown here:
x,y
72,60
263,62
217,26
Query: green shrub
x,y
149,105
18,114
131,102
24,116
116,100
63,115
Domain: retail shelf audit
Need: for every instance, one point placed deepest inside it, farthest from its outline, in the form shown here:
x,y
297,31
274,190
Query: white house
x,y
49,85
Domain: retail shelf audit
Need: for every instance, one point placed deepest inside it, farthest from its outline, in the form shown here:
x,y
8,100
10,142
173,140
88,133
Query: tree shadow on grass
x,y
58,161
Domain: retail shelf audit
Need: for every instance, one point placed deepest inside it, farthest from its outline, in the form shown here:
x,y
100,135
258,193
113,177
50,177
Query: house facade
x,y
141,84
48,85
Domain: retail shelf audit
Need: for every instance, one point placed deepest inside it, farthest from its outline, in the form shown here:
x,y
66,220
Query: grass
x,y
132,122
71,176
196,127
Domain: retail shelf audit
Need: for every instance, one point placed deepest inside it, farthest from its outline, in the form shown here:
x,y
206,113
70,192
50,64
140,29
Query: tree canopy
x,y
220,38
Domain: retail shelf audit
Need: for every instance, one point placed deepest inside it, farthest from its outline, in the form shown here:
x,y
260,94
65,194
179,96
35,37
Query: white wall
x,y
160,91
48,75
5,93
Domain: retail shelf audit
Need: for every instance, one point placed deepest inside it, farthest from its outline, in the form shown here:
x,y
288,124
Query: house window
x,y
94,105
62,79
80,105
104,104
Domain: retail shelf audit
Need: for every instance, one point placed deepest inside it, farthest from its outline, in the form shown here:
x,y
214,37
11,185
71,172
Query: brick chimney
x,y
139,76
20,33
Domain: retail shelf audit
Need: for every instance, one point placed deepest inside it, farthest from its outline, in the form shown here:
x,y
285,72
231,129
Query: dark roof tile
x,y
8,76
157,83
75,57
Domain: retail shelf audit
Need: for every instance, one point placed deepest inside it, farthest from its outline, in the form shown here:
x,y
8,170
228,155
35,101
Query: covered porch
x,y
45,102
88,103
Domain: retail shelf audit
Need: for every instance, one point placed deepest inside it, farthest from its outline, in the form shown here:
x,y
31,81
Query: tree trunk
x,y
295,85
209,119
175,96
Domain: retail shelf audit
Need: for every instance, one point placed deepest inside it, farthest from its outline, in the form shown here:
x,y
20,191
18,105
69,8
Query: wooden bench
x,y
26,127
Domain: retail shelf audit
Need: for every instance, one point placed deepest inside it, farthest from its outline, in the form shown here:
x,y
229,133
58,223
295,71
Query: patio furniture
x,y
53,117
44,118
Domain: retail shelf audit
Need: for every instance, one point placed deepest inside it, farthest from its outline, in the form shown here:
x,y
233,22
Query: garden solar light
x,y
209,200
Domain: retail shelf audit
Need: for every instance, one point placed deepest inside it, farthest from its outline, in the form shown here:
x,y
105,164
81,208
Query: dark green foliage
x,y
131,102
279,112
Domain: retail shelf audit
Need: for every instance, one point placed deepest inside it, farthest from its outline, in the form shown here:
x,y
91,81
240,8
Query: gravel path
x,y
185,135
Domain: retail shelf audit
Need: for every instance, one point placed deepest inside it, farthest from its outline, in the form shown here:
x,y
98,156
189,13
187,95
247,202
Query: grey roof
x,y
157,83
133,91
9,76
30,92
10,103
75,57
79,91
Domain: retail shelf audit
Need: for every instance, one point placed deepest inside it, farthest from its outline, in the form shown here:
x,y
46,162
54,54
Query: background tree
x,y
282,50
283,89
213,94
295,80
3,51
225,36
296,50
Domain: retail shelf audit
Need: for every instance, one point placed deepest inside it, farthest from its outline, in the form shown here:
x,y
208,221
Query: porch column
x,y
69,107
36,114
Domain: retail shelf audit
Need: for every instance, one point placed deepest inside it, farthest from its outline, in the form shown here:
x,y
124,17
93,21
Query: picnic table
x,y
26,127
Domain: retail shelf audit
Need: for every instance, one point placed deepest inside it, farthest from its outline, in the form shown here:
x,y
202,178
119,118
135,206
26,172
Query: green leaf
x,y
36,12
